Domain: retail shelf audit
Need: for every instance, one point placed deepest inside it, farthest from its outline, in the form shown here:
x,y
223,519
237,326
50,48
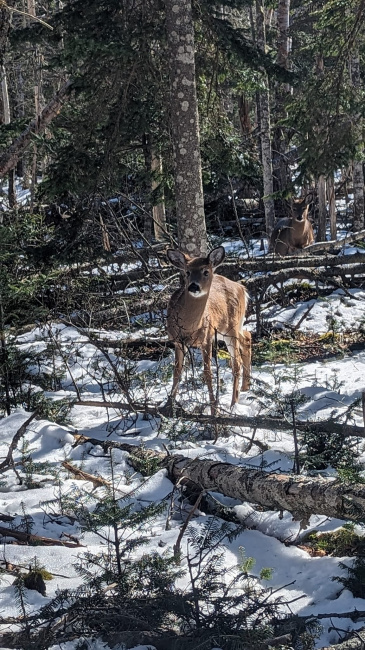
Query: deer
x,y
294,232
205,307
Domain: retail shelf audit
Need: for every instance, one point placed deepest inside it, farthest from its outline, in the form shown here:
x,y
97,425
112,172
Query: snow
x,y
330,387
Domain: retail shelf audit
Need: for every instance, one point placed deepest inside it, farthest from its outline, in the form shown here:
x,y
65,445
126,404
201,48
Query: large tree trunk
x,y
302,496
158,197
280,141
4,29
332,206
358,172
322,215
265,130
9,159
185,128
7,119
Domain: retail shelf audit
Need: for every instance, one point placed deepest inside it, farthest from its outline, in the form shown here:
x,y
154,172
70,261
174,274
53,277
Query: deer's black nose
x,y
194,288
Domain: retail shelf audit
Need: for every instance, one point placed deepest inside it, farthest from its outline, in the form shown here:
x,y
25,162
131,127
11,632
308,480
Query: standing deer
x,y
204,307
294,232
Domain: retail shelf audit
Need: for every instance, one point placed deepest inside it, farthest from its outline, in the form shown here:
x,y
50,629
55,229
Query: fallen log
x,y
324,275
10,157
35,540
80,475
301,496
252,422
269,264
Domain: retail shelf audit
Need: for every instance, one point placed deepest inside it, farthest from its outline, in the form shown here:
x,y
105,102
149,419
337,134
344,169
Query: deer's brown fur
x,y
204,307
294,232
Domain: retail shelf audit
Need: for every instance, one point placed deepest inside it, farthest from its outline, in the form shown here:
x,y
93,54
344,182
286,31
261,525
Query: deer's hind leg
x,y
246,353
233,345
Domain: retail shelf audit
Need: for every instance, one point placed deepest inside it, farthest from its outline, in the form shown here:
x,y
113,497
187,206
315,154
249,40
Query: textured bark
x,y
4,28
358,172
158,209
258,422
9,159
281,180
322,216
301,496
265,130
185,129
332,206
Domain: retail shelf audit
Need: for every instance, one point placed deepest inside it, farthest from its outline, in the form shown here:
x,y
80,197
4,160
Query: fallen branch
x,y
80,475
33,540
259,422
10,157
302,496
9,461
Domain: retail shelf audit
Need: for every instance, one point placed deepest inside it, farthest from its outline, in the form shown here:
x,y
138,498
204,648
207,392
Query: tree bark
x,y
9,159
7,120
302,496
298,495
158,198
322,216
281,180
4,29
265,128
185,129
332,206
358,172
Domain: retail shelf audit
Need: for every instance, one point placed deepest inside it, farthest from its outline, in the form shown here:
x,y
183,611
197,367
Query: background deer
x,y
204,307
294,232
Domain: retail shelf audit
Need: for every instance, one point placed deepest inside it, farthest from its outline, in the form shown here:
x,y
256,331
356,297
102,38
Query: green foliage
x,y
338,543
355,579
323,449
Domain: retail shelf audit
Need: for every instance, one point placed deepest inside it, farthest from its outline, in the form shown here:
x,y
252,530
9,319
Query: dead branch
x,y
302,496
80,475
32,540
10,157
259,422
9,461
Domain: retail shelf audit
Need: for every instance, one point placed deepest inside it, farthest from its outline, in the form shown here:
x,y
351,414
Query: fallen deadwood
x,y
256,422
34,540
10,157
326,276
334,244
270,264
80,475
301,496
9,461
355,642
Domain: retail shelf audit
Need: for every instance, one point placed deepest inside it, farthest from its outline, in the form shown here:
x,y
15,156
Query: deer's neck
x,y
192,310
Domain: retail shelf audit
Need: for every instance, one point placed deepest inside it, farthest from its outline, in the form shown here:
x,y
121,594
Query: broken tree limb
x,y
80,475
270,264
301,496
334,244
259,422
10,157
33,540
9,461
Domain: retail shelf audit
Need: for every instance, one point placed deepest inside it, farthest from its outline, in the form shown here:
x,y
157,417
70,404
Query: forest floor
x,y
322,361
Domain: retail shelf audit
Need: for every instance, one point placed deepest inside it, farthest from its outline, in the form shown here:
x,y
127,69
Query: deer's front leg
x,y
179,360
207,359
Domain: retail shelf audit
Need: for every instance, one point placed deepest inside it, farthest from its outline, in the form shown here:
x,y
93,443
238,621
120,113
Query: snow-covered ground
x,y
330,387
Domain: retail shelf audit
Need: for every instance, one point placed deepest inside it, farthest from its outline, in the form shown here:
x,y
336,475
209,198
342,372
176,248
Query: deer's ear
x,y
216,256
176,258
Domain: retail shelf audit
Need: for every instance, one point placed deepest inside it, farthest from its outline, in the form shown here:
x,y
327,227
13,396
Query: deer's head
x,y
197,272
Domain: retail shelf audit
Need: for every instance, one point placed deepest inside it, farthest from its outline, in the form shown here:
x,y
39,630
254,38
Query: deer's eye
x,y
188,274
206,273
